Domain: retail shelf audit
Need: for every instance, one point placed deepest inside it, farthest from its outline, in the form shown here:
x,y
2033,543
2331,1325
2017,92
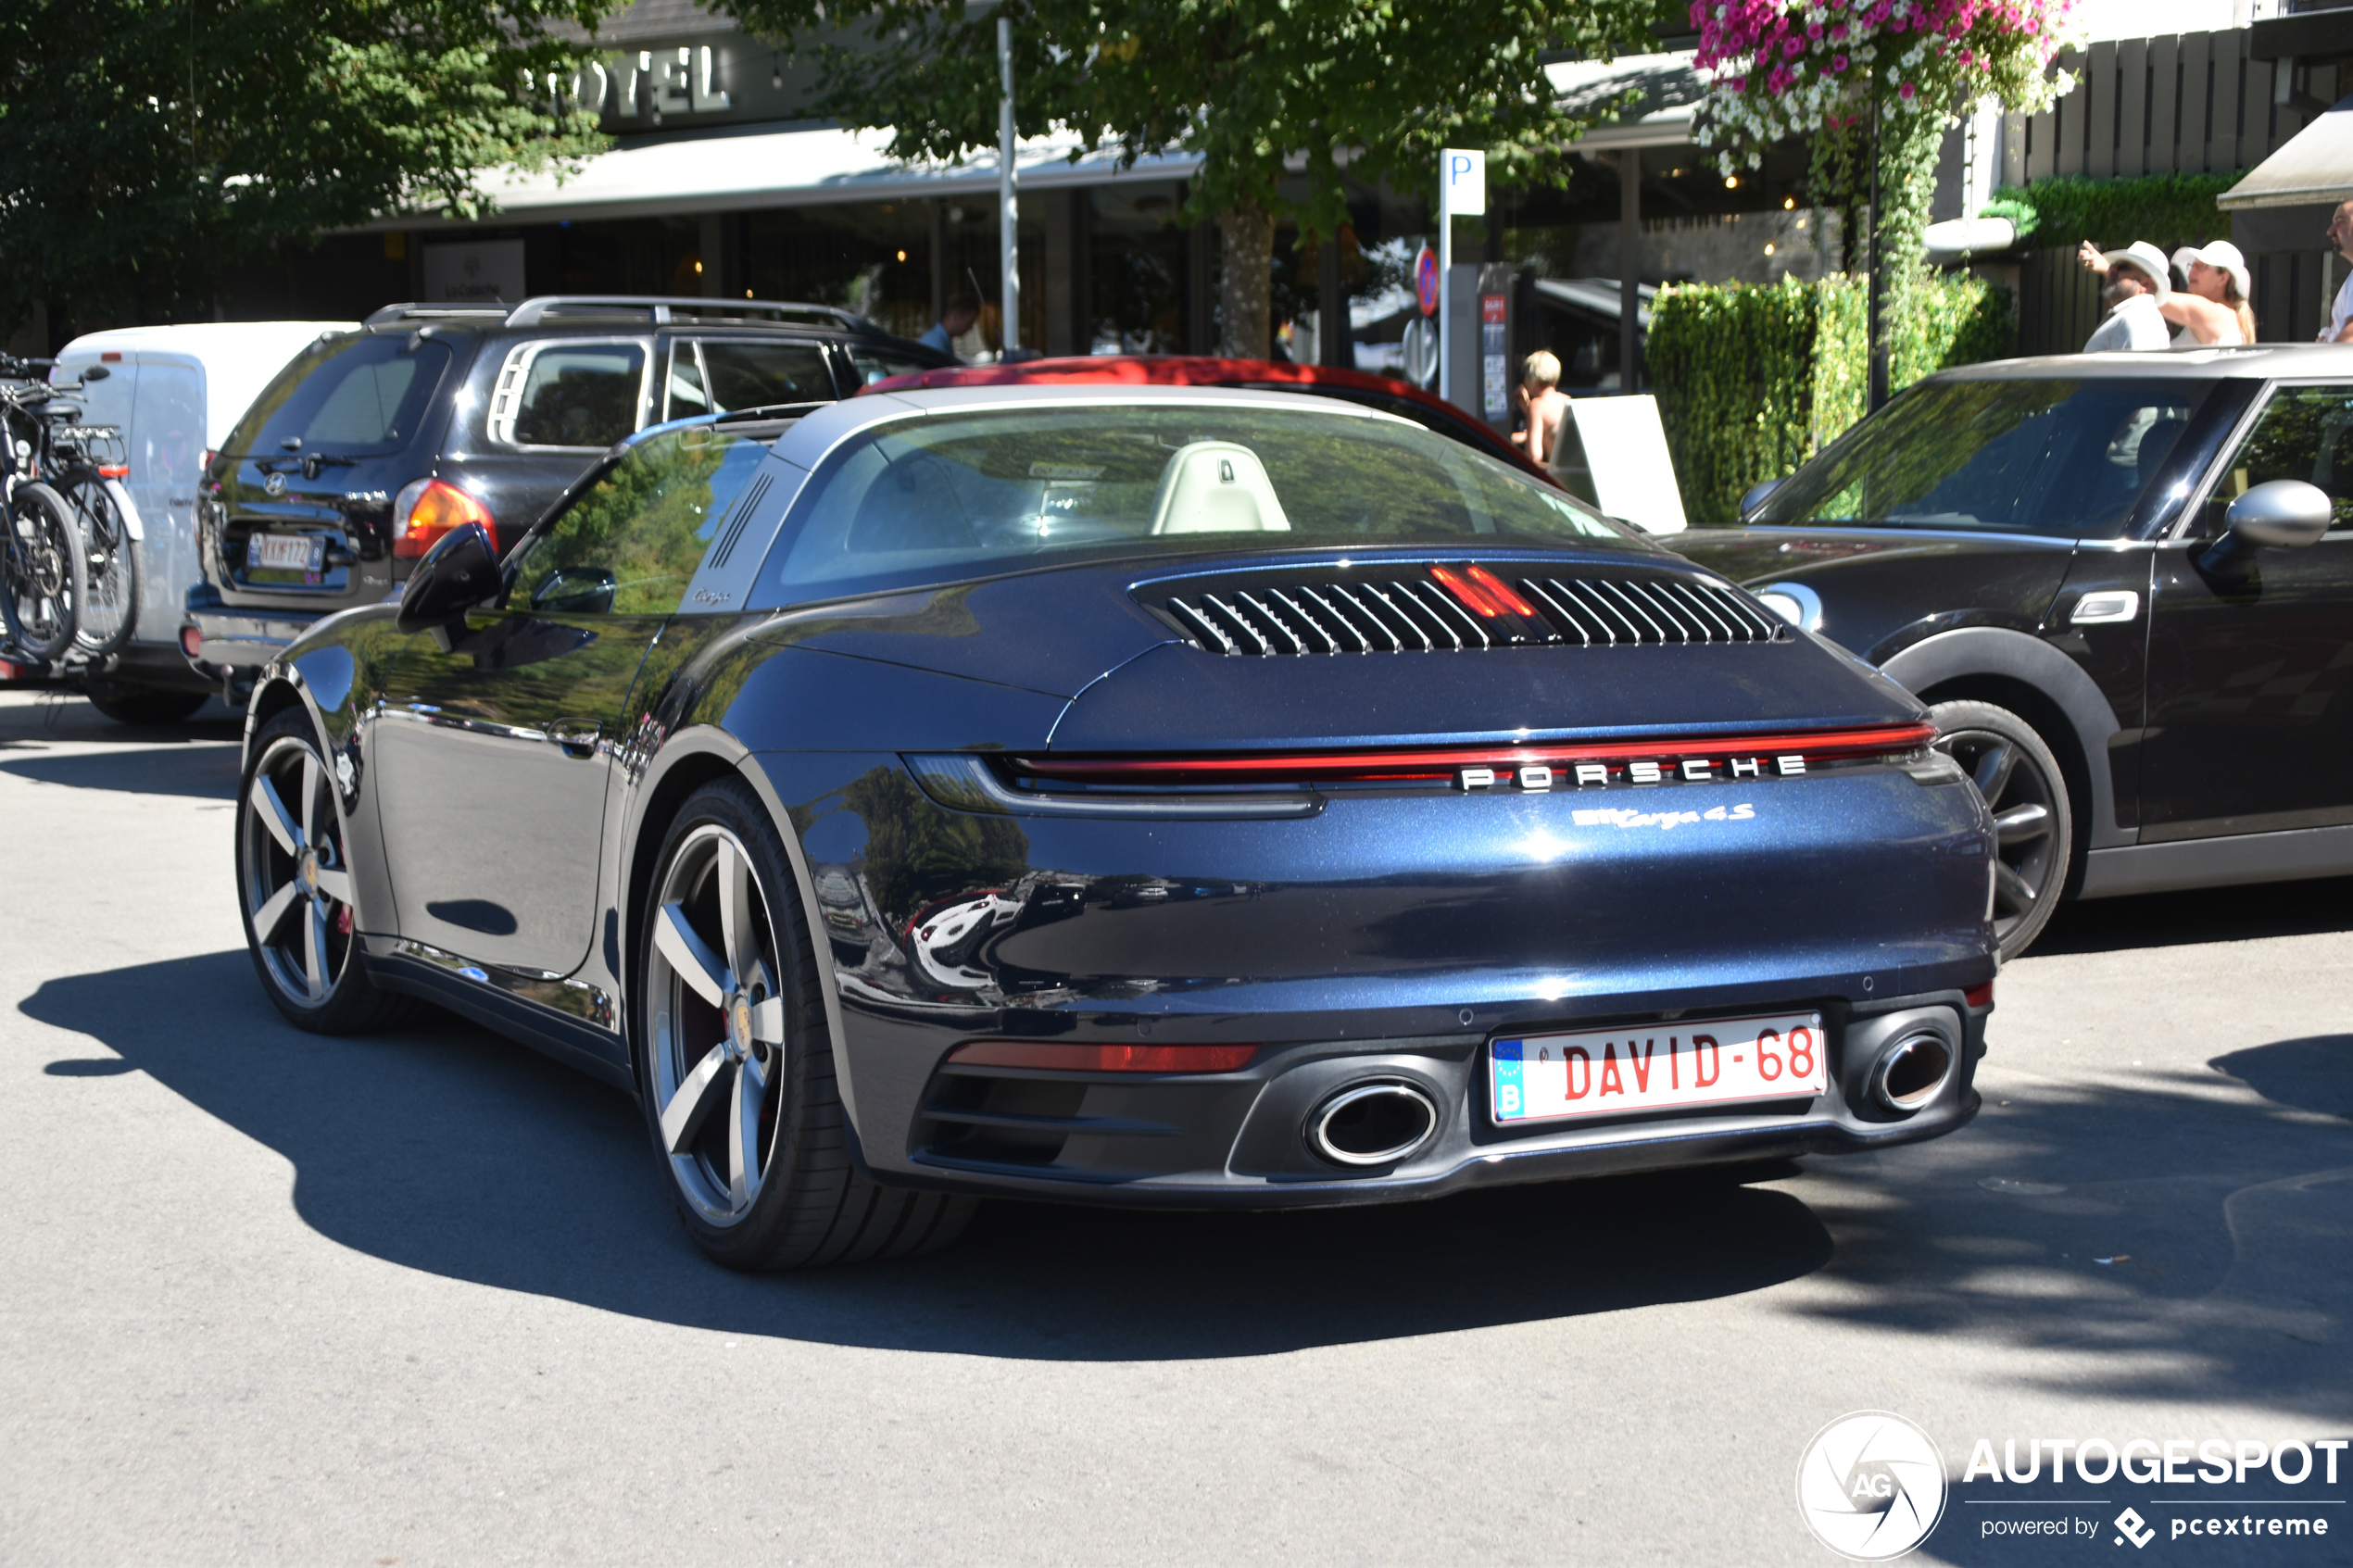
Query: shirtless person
x,y
2203,318
1539,395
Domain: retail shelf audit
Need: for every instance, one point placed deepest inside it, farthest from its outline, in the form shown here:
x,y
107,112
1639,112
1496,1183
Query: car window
x,y
947,495
2064,458
2304,432
578,394
348,395
629,543
874,365
746,374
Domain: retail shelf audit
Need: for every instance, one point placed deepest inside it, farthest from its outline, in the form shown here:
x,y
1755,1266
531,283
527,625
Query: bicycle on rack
x,y
43,576
83,465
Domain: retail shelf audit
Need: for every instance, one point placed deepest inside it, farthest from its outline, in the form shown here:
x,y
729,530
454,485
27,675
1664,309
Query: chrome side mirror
x,y
2285,514
1756,495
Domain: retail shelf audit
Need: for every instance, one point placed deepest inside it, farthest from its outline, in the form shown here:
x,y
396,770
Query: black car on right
x,y
2124,584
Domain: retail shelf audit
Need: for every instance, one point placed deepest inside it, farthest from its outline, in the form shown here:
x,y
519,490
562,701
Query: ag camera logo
x,y
1872,1486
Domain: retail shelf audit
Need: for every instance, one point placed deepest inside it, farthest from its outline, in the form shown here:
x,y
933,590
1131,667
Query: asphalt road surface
x,y
417,1299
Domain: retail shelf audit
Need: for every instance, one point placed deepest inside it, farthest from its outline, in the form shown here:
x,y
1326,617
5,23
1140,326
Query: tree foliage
x,y
1276,96
149,147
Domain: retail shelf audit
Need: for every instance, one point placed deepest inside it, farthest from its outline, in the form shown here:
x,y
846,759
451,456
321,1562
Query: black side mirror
x,y
2285,514
1756,495
459,573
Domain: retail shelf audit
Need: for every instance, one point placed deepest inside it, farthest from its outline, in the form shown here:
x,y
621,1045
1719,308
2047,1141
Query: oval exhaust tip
x,y
1372,1124
1911,1072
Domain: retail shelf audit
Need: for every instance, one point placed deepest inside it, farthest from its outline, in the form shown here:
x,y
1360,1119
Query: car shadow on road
x,y
2207,914
445,1148
206,774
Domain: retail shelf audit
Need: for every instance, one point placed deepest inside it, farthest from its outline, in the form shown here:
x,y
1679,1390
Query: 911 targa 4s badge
x,y
1136,795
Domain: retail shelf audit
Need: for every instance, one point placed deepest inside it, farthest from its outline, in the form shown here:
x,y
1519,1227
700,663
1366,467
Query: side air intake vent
x,y
1457,609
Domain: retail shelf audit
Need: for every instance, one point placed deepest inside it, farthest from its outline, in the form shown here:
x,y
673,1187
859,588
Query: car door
x,y
2250,682
496,748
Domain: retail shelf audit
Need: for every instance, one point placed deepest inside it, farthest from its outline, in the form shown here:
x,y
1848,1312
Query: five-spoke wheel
x,y
736,1057
294,883
2019,779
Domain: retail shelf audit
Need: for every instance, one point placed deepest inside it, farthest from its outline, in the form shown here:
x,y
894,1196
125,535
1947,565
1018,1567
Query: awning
x,y
769,166
1667,89
2314,166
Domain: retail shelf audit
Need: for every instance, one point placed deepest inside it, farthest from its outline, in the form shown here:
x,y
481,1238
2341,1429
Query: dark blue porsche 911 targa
x,y
1141,796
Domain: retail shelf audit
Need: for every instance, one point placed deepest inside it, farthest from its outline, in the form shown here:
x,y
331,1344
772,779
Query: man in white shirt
x,y
2340,327
2136,285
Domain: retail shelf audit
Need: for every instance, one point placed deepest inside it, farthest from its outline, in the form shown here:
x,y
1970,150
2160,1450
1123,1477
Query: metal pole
x,y
1008,199
1876,326
1445,285
1630,255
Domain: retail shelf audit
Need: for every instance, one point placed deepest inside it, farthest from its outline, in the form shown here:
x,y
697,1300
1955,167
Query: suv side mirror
x,y
2286,514
1756,495
575,590
459,572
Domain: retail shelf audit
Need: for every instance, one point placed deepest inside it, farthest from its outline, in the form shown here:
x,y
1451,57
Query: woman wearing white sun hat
x,y
2205,314
2216,274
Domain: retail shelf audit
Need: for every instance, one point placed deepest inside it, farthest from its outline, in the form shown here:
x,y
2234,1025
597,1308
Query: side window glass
x,y
874,367
2304,432
578,394
752,375
629,543
683,396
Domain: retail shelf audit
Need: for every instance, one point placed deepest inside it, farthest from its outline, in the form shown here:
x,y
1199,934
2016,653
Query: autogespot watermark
x,y
1872,1488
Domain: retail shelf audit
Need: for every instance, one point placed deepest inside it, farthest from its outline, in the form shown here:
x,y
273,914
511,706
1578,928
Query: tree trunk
x,y
1245,291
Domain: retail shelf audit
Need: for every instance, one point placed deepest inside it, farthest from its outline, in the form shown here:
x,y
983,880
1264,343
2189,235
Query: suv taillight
x,y
429,508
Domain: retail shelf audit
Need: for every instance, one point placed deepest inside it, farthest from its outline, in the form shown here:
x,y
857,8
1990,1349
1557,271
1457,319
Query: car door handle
x,y
577,736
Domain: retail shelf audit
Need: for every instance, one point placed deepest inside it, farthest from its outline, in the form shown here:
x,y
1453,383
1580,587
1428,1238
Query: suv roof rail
x,y
661,311
424,311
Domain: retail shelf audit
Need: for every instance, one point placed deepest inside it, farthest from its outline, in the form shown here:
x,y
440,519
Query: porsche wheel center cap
x,y
307,871
740,1027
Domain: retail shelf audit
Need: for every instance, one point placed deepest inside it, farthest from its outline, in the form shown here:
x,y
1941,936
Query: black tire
x,y
127,703
40,575
741,1071
293,886
2020,778
109,605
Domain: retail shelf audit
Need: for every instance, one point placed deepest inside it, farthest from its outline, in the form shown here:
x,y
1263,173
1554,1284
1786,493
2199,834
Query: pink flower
x,y
1906,90
1839,64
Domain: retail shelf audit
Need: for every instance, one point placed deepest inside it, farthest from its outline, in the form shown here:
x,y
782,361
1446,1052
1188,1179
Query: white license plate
x,y
288,552
1656,1067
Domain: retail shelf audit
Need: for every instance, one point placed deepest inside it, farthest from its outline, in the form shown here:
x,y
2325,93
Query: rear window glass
x,y
2065,458
352,396
579,394
954,496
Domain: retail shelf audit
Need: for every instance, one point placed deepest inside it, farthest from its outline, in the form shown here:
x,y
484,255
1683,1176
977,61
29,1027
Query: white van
x,y
176,392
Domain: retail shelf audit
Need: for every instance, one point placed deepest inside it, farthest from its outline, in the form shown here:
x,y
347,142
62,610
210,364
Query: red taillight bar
x,y
1475,601
1504,592
1066,1055
1438,762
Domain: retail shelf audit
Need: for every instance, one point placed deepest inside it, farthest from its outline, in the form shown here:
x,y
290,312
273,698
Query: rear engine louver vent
x,y
1412,613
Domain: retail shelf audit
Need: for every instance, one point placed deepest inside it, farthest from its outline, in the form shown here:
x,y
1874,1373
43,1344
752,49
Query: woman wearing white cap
x,y
2213,310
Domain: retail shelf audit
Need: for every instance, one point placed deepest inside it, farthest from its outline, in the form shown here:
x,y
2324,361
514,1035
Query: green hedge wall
x,y
2165,210
1752,380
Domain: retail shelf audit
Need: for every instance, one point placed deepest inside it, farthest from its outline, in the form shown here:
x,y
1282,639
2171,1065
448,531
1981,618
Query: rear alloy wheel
x,y
294,886
2020,782
736,1064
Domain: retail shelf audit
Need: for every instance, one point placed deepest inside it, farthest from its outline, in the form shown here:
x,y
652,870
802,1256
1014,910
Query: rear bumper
x,y
1240,1140
231,639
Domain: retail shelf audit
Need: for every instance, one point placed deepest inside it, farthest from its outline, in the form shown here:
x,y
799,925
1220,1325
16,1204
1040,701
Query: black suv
x,y
2124,584
372,445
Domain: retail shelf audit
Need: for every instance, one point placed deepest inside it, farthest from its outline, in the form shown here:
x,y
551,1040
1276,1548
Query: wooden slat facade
x,y
2188,103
